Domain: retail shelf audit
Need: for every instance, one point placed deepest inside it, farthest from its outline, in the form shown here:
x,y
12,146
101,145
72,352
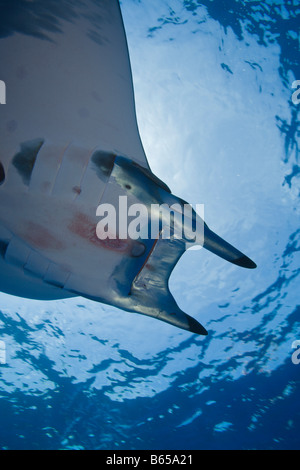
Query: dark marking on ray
x,y
2,174
3,248
76,189
138,249
57,284
196,327
245,262
103,163
24,160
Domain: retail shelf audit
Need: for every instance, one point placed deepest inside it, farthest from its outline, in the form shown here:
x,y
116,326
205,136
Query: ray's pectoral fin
x,y
150,293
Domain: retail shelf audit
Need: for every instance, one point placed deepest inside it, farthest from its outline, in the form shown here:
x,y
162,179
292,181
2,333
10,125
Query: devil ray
x,y
69,142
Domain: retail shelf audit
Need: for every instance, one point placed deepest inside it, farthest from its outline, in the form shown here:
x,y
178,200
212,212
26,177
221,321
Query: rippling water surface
x,y
213,84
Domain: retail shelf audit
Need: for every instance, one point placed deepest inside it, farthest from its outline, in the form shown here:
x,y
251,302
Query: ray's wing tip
x,y
196,327
245,262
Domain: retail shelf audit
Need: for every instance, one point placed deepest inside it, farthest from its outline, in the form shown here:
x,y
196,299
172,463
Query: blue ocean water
x,y
213,84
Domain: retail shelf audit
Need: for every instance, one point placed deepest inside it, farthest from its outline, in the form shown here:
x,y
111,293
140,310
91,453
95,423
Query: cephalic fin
x,y
184,321
150,294
159,303
220,247
212,242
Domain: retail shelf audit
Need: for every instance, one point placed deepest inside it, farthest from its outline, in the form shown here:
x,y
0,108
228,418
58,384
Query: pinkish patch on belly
x,y
82,226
